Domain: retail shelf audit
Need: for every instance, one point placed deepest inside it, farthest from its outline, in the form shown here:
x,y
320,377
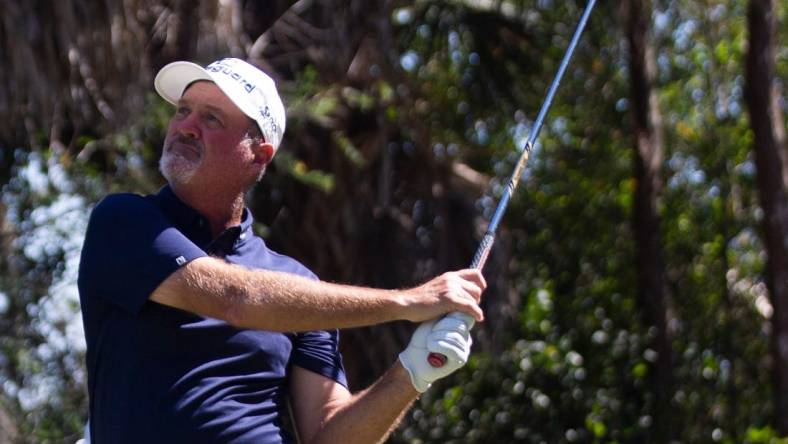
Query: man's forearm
x,y
276,301
286,302
326,412
371,415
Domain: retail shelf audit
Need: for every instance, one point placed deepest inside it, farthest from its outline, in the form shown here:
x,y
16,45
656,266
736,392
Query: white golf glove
x,y
449,336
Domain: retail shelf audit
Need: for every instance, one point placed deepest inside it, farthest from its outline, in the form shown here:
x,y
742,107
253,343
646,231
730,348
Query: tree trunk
x,y
8,430
770,157
648,158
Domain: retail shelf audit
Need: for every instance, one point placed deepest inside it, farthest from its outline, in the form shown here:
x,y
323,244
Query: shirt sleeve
x,y
318,351
130,248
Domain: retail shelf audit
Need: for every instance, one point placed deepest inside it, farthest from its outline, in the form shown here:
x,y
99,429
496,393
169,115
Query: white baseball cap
x,y
252,91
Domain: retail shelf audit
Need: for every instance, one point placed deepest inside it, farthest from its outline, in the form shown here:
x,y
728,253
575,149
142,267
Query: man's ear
x,y
263,152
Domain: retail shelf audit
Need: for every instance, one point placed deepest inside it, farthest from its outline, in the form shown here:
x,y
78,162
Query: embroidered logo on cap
x,y
265,112
221,68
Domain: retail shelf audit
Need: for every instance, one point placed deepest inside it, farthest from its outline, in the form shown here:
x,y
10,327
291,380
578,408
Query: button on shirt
x,y
157,374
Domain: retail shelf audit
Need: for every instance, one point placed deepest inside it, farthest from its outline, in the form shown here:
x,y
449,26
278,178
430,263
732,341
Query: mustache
x,y
180,138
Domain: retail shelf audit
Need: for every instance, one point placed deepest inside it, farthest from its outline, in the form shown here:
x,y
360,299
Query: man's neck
x,y
221,211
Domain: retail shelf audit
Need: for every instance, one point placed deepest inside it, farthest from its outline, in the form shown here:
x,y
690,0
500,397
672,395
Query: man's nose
x,y
188,126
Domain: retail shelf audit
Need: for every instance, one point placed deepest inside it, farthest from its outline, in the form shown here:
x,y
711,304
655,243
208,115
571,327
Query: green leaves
x,y
300,171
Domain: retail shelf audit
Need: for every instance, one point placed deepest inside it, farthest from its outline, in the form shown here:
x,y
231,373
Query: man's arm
x,y
327,413
276,301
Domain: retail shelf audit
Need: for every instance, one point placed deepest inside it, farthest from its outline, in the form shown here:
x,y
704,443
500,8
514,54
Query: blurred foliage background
x,y
639,285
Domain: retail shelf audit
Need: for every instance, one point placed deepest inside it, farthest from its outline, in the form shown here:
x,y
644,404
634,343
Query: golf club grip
x,y
437,360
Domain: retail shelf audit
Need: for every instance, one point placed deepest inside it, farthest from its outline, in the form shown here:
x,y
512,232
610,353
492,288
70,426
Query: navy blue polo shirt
x,y
157,374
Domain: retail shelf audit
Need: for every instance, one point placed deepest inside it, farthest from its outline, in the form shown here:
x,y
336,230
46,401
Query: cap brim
x,y
172,80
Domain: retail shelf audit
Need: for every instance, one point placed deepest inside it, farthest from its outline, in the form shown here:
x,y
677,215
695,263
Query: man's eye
x,y
213,119
182,111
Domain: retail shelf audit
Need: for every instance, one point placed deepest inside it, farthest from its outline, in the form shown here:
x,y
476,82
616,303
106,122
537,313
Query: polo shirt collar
x,y
196,227
231,238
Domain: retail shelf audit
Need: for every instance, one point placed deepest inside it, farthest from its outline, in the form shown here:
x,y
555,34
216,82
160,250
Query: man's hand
x,y
453,291
449,336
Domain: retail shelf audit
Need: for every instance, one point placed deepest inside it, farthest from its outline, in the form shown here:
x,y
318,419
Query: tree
x,y
648,160
771,156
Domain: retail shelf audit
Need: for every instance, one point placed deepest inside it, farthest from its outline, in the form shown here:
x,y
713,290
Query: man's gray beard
x,y
171,172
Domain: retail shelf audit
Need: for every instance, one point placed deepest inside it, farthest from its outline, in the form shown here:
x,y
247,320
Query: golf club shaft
x,y
483,251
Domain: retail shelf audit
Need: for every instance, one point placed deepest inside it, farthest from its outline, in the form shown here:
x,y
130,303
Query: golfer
x,y
197,332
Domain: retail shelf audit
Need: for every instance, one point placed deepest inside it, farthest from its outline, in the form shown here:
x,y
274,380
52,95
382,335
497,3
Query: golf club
x,y
482,252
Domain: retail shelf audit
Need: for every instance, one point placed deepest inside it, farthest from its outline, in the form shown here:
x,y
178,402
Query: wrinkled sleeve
x,y
318,351
130,248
